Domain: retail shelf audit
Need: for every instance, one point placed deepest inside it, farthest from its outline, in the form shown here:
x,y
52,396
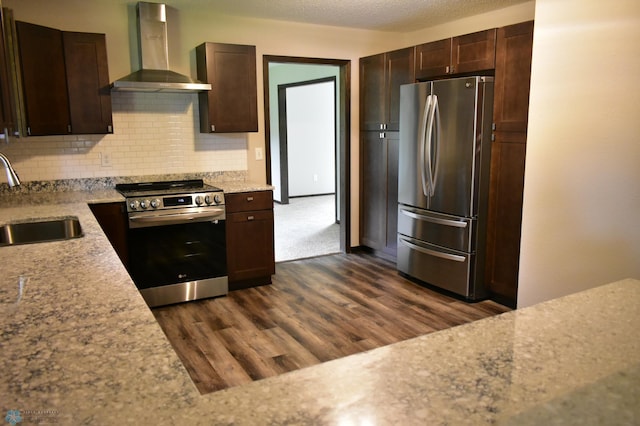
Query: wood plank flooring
x,y
315,310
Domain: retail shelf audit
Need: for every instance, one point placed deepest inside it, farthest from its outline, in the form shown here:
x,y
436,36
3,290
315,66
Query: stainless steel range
x,y
177,240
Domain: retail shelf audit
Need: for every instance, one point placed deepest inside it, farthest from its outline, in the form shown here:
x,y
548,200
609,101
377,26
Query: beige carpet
x,y
306,227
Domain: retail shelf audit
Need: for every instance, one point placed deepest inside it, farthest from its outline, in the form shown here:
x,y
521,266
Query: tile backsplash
x,y
154,134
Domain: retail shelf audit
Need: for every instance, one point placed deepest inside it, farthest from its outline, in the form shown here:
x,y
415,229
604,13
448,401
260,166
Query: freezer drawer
x,y
443,230
447,269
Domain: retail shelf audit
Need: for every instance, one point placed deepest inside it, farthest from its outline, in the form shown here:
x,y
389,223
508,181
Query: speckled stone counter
x,y
79,346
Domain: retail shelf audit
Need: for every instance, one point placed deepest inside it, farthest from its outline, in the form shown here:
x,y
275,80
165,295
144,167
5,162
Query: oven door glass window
x,y
164,255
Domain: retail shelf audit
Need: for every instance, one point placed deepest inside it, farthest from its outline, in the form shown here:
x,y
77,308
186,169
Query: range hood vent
x,y
155,75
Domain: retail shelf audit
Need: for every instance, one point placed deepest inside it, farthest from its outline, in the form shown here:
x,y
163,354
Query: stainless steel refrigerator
x,y
443,180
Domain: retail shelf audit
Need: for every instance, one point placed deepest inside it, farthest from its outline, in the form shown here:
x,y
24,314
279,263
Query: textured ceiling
x,y
382,15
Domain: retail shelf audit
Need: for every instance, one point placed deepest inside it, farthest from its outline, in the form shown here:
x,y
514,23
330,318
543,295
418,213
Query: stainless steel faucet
x,y
12,176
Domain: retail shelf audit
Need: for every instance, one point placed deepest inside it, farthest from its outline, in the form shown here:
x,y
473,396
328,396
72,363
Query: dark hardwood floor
x,y
315,310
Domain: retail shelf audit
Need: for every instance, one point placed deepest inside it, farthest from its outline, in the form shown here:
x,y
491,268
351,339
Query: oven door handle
x,y
145,220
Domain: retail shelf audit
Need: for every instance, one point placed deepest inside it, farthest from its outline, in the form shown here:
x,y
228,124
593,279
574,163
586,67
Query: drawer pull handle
x,y
424,250
250,218
447,222
249,198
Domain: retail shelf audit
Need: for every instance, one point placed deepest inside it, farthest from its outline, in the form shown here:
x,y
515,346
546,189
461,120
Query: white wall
x,y
582,183
311,139
284,73
498,18
154,133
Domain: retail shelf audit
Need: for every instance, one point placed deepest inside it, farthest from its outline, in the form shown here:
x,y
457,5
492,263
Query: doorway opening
x,y
300,167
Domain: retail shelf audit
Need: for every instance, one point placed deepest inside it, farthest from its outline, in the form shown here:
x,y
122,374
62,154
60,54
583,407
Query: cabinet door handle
x,y
213,127
383,135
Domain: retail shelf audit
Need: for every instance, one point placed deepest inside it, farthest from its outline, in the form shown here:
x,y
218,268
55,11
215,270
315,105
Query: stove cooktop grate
x,y
172,186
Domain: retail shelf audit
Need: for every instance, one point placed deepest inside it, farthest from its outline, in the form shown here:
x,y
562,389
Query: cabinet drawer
x,y
248,201
250,216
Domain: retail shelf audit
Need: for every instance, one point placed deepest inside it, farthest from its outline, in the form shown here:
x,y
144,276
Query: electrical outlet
x,y
258,153
105,159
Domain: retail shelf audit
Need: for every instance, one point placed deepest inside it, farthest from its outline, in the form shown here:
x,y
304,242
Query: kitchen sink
x,y
40,230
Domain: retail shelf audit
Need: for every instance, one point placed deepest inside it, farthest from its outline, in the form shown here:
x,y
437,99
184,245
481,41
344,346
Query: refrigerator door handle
x,y
436,148
441,255
429,151
422,142
436,220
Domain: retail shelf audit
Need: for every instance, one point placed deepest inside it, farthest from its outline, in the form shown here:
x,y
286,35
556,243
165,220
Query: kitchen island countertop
x,y
80,346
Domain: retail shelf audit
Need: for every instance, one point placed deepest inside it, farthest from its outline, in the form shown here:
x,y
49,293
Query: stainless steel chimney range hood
x,y
155,75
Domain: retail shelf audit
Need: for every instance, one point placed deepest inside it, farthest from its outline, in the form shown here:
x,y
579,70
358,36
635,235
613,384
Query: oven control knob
x,y
155,203
207,199
217,199
133,205
199,200
144,204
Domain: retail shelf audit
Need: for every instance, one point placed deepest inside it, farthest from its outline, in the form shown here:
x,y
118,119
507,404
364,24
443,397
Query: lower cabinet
x,y
113,220
250,239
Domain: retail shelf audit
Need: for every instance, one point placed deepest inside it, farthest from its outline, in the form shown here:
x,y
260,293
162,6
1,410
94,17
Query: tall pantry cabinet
x,y
510,112
380,79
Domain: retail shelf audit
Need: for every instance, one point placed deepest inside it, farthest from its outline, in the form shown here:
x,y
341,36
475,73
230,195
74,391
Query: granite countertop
x,y
80,346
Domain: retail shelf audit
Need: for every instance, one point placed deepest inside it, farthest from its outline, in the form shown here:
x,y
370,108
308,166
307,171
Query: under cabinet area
x,y
231,104
250,239
249,235
73,96
112,218
463,54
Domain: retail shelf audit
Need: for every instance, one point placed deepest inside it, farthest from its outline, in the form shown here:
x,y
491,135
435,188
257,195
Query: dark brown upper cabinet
x,y
44,80
380,79
463,54
512,78
6,110
232,104
65,81
85,58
